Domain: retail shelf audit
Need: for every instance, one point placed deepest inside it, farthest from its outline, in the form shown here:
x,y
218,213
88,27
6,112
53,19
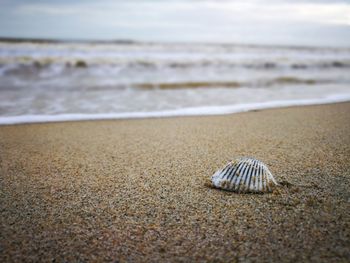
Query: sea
x,y
48,81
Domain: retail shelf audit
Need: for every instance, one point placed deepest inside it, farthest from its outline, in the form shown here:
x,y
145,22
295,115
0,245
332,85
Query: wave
x,y
188,85
194,111
231,84
27,63
16,40
294,80
168,45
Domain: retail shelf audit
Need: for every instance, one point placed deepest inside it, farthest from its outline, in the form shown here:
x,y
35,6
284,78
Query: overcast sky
x,y
291,22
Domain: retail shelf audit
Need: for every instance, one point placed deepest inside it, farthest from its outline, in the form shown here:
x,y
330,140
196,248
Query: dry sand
x,y
135,190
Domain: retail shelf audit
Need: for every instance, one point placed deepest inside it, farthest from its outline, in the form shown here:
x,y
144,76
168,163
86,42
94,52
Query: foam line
x,y
196,111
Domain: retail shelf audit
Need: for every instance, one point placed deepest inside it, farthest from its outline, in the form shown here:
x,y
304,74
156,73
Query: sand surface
x,y
136,190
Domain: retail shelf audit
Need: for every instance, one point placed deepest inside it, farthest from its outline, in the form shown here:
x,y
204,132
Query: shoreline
x,y
136,191
184,112
21,40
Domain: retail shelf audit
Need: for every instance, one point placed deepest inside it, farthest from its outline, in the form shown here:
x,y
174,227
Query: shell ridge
x,y
232,178
265,178
250,175
260,183
237,175
230,174
225,169
258,186
254,184
233,173
254,175
245,175
261,169
238,183
264,182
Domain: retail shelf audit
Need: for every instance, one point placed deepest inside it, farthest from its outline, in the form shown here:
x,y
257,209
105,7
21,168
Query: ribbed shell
x,y
244,175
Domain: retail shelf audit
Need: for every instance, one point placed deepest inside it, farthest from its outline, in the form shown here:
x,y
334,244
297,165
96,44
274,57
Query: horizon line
x,y
121,41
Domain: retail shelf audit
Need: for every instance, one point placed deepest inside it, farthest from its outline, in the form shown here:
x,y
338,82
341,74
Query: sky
x,y
283,22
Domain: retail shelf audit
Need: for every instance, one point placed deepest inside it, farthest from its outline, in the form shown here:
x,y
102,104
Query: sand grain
x,y
136,190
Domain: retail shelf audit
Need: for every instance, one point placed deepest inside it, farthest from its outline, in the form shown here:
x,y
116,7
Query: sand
x,y
136,190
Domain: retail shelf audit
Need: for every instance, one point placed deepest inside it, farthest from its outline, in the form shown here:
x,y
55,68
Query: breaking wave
x,y
55,81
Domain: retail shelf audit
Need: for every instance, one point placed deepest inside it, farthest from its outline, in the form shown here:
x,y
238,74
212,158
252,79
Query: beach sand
x,y
137,190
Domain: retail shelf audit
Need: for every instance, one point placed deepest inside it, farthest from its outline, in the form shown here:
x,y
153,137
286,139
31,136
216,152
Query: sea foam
x,y
50,82
194,111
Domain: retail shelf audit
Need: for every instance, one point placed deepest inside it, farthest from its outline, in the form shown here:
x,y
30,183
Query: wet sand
x,y
137,190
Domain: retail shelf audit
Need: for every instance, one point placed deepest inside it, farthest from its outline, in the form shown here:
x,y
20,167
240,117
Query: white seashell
x,y
244,175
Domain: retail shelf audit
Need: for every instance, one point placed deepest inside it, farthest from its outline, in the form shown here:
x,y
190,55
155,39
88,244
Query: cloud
x,y
254,10
200,20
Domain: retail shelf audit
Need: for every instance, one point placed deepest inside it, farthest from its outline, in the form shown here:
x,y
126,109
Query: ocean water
x,y
41,82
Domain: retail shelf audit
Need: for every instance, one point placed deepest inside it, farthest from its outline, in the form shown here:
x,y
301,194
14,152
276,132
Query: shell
x,y
244,175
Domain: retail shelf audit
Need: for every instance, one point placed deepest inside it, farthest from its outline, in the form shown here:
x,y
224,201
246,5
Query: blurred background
x,y
140,58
